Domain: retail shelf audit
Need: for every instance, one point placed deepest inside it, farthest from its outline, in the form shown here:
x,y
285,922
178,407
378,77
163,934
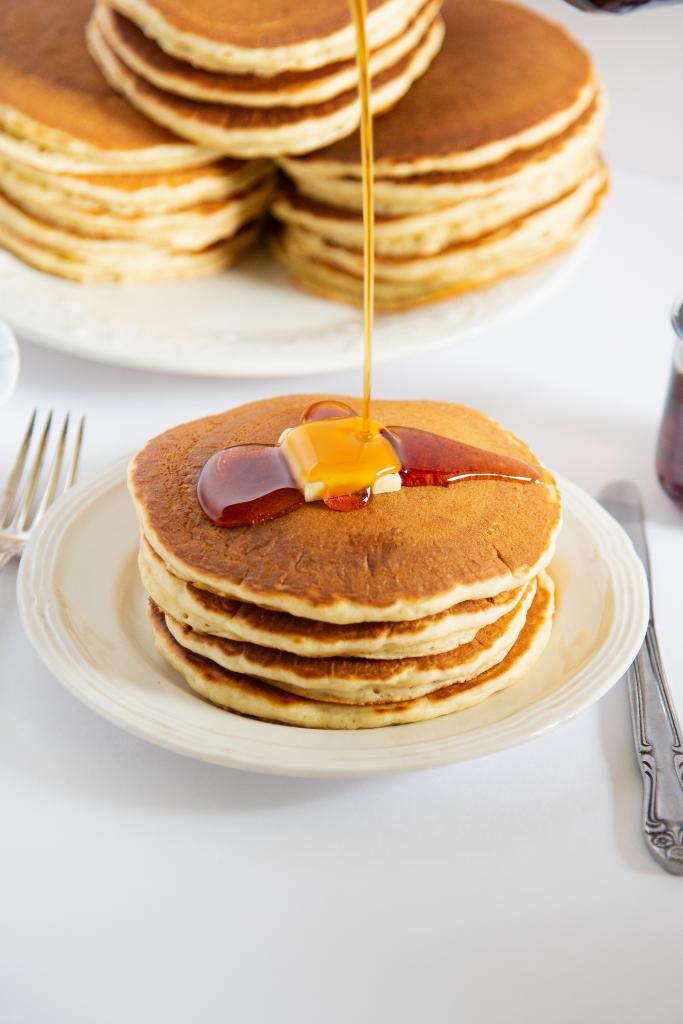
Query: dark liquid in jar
x,y
670,447
619,6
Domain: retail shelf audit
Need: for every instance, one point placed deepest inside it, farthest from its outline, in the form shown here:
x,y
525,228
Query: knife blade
x,y
656,730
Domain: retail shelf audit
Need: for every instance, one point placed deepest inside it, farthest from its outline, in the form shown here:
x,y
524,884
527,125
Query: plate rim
x,y
609,664
434,325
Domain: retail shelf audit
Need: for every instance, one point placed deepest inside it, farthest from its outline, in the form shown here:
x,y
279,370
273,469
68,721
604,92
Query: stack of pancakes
x,y
90,189
424,602
490,164
259,79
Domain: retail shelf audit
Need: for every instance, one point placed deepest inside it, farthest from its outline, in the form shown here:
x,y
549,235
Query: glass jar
x,y
670,445
619,6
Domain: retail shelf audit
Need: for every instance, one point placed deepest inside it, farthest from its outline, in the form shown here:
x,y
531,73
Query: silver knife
x,y
656,731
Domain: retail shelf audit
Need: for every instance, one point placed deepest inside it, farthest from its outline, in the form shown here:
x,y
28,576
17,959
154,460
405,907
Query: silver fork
x,y
18,497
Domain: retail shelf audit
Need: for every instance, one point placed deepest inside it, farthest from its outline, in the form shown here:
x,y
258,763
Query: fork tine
x,y
72,471
55,472
23,513
10,489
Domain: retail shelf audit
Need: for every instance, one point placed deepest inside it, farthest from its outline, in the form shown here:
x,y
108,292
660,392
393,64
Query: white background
x,y
137,885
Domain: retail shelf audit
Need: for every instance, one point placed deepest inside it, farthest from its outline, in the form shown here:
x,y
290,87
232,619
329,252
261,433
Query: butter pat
x,y
330,458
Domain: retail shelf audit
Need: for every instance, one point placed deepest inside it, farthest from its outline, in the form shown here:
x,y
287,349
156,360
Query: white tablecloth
x,y
140,885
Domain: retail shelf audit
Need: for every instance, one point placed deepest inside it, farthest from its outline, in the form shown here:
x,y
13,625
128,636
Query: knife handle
x,y
657,736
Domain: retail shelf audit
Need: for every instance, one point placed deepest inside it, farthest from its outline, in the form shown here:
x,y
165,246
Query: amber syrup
x,y
251,483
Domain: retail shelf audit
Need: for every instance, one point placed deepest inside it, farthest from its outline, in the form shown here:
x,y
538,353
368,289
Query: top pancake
x,y
505,79
289,88
52,94
265,37
404,556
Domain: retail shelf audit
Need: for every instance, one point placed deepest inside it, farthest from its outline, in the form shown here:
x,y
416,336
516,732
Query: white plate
x,y
248,322
83,608
9,363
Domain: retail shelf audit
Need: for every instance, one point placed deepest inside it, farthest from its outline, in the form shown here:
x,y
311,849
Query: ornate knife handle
x,y
657,737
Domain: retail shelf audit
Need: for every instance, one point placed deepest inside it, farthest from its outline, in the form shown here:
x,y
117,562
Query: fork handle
x,y
657,736
7,556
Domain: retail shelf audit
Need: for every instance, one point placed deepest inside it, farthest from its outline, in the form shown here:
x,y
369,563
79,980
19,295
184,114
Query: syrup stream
x,y
251,483
359,10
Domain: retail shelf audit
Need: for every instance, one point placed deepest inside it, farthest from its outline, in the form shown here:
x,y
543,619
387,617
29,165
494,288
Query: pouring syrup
x,y
335,455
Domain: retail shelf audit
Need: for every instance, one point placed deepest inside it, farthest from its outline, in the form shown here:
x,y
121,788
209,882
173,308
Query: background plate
x,y
83,607
246,322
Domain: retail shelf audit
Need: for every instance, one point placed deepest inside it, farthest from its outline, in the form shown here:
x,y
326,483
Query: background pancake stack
x,y
490,164
425,602
91,190
259,79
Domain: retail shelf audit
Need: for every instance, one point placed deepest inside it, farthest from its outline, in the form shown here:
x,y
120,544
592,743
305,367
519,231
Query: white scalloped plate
x,y
247,322
83,608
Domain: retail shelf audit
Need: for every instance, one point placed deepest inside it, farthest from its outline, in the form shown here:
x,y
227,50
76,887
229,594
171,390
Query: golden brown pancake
x,y
48,79
505,79
571,152
249,696
206,612
404,556
334,271
189,229
258,131
93,190
267,36
399,264
138,194
487,167
433,230
267,24
362,680
294,87
82,258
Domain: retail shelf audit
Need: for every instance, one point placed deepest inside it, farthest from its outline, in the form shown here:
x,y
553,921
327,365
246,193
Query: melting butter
x,y
335,457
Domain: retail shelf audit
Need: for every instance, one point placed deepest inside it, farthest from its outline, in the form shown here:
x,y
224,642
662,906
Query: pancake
x,y
54,102
521,80
257,132
134,194
406,556
264,38
401,282
73,158
188,229
140,263
489,165
248,696
262,132
82,246
92,190
289,88
205,612
431,231
529,170
362,680
536,228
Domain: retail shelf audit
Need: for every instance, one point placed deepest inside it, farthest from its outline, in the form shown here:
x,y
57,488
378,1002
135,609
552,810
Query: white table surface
x,y
138,885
